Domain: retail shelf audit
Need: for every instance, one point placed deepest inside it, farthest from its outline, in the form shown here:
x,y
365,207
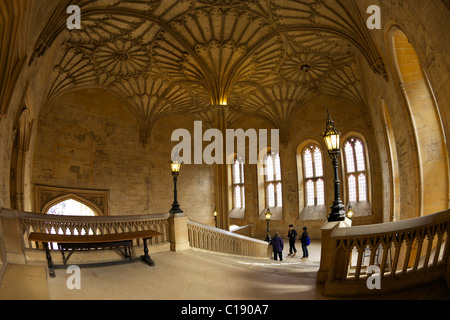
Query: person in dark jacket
x,y
305,243
292,236
277,245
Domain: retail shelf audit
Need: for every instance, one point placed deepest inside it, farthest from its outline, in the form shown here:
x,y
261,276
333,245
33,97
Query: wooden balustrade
x,y
212,239
407,254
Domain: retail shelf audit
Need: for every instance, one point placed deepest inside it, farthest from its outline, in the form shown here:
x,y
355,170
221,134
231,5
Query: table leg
x,y
146,257
51,267
63,255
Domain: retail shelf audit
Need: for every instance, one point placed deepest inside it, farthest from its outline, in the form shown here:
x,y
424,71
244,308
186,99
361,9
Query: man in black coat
x,y
305,243
292,236
277,245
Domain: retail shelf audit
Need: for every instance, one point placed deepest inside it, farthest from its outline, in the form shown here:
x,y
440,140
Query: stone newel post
x,y
328,247
179,239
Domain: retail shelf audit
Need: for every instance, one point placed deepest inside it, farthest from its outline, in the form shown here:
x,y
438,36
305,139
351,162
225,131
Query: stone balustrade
x,y
405,254
212,239
397,255
177,234
98,225
16,226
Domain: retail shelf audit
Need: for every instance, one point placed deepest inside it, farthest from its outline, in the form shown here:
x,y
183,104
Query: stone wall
x,y
423,23
91,141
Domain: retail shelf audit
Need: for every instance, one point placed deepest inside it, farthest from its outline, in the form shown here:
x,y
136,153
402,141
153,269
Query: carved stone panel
x,y
47,196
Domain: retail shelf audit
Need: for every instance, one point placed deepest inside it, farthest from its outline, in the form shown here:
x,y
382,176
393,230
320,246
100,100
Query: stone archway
x,y
46,197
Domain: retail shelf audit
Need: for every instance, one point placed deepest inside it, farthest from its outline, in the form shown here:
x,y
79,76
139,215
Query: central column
x,y
220,171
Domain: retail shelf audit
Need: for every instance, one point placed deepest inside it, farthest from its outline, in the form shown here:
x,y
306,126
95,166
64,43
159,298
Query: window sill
x,y
237,213
314,213
361,209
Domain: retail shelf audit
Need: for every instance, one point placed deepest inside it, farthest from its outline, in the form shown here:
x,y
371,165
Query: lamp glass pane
x,y
328,143
175,167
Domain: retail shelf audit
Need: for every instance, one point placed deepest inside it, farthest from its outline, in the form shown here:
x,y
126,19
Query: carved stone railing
x,y
16,227
399,255
244,230
212,239
98,225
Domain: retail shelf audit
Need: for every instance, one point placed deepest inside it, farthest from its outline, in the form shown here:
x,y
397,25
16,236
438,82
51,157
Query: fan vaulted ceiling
x,y
164,57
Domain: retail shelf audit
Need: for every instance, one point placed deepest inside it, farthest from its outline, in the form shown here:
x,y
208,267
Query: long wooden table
x,y
73,243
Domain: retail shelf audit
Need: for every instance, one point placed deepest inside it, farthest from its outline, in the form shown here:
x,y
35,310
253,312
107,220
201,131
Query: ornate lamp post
x,y
332,139
215,216
175,167
268,217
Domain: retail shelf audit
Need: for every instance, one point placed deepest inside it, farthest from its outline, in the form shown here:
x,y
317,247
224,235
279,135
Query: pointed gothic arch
x,y
95,209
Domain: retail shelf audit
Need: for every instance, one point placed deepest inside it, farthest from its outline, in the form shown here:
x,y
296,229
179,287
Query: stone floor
x,y
187,275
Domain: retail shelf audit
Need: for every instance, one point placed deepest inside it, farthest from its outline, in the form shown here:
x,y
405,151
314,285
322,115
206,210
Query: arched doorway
x,y
70,207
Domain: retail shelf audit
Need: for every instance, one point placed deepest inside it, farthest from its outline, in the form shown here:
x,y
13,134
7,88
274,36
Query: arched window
x,y
273,180
356,170
238,183
313,176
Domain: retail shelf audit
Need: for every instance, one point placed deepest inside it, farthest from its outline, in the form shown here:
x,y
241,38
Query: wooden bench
x,y
71,243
